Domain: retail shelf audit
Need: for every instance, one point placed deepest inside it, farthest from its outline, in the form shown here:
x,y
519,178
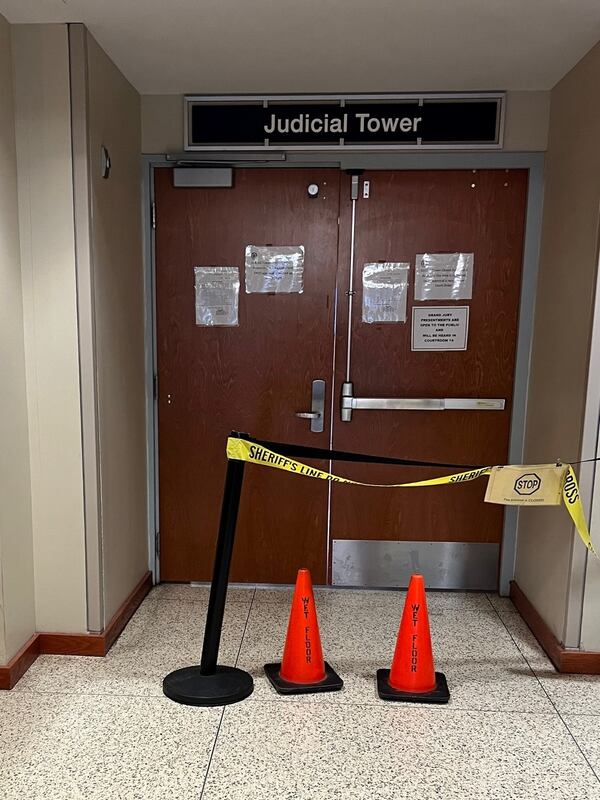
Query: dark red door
x,y
252,377
408,213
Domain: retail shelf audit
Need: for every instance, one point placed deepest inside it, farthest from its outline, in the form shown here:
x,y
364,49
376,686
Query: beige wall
x,y
17,611
41,63
44,582
118,279
562,327
526,126
590,624
527,118
162,123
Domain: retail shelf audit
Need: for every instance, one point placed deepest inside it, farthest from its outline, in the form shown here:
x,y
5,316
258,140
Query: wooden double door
x,y
256,375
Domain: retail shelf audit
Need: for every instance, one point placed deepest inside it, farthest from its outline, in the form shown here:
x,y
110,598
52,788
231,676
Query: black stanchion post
x,y
210,684
220,579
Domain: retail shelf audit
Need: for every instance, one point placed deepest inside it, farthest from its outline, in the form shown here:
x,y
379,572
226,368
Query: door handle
x,y
351,403
317,413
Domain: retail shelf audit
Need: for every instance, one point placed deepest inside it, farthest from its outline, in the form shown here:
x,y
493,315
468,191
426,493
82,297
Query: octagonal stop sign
x,y
528,483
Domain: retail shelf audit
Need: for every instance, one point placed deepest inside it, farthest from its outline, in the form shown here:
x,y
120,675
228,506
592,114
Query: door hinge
x,y
153,214
157,544
155,386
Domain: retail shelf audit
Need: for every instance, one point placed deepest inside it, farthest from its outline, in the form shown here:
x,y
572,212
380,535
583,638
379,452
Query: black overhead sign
x,y
350,122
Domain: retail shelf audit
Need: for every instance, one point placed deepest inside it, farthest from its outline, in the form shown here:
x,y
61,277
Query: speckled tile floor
x,y
77,728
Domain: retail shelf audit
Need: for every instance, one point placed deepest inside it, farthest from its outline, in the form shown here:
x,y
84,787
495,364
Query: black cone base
x,y
190,687
440,694
331,683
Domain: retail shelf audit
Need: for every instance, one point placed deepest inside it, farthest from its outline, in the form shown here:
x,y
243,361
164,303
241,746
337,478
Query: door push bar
x,y
351,403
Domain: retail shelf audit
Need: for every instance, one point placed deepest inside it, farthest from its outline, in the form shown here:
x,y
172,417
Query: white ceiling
x,y
222,46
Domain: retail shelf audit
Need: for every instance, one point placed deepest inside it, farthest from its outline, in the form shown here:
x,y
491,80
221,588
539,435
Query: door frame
x,y
533,162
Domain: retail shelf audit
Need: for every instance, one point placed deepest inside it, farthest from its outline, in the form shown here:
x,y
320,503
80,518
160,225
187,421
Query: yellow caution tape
x,y
243,450
572,501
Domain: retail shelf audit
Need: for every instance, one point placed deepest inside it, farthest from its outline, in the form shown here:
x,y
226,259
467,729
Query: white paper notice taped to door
x,y
385,287
440,327
278,270
444,276
217,295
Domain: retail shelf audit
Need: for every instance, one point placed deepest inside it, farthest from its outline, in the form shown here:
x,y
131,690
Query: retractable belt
x,y
526,485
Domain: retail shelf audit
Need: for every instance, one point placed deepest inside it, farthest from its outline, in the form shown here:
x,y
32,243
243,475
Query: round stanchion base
x,y
190,687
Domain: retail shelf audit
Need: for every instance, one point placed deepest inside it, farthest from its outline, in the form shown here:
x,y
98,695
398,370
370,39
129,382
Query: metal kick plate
x,y
444,565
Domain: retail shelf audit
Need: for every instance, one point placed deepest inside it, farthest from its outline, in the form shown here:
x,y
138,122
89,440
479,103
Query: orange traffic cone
x,y
302,669
412,677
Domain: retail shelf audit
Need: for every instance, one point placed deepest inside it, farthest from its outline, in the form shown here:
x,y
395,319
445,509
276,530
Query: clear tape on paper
x,y
278,270
217,295
444,276
385,289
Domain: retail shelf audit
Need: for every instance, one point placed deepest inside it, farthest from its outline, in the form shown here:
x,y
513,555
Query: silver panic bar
x,y
350,403
422,404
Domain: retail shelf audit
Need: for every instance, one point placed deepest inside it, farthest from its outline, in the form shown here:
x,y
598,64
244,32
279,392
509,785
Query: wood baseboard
x,y
19,663
75,644
96,644
126,611
564,659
